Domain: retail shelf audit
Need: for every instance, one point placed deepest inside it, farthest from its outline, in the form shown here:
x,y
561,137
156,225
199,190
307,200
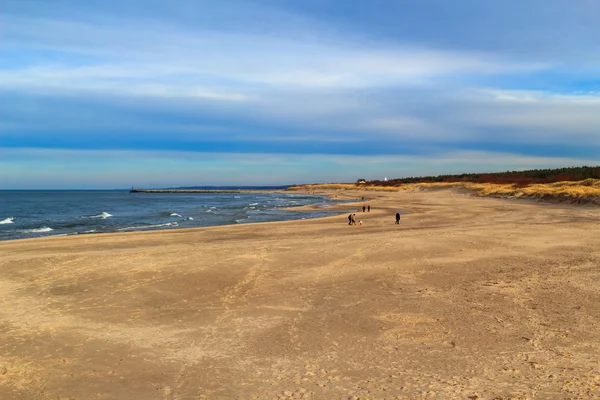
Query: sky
x,y
150,93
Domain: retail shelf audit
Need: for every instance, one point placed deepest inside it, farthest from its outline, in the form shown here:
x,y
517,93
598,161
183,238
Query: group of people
x,y
352,217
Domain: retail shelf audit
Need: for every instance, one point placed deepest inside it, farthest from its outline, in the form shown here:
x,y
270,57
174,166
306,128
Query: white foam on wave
x,y
133,228
104,215
8,220
253,204
190,218
176,215
38,230
90,231
64,234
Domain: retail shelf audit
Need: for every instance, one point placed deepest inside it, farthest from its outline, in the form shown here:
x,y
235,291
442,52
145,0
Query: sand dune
x,y
468,298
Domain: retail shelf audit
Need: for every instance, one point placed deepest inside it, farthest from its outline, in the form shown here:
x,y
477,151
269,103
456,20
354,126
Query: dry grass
x,y
587,189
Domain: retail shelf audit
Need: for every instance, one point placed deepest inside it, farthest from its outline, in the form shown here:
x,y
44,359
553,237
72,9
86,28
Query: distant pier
x,y
188,191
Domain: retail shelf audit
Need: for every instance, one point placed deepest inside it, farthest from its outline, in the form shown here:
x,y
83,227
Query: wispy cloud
x,y
535,117
158,52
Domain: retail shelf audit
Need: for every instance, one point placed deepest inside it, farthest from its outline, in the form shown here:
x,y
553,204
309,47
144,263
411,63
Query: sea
x,y
32,213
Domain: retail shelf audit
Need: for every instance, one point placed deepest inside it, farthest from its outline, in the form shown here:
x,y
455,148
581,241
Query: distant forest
x,y
514,177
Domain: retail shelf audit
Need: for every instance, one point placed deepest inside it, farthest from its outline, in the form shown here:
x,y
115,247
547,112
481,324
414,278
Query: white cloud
x,y
533,115
145,52
124,80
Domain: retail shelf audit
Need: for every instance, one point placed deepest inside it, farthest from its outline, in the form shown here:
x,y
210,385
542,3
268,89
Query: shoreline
x,y
313,207
339,209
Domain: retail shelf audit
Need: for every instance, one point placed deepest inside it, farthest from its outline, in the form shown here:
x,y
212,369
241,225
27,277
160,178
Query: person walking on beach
x,y
349,219
368,208
397,218
353,219
364,208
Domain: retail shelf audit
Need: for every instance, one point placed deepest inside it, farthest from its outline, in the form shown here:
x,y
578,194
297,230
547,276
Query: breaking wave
x,y
7,221
104,215
134,228
38,230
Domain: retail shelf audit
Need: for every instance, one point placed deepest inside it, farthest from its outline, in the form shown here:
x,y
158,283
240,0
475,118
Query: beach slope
x,y
472,298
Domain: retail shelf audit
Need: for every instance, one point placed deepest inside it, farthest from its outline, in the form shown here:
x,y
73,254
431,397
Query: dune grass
x,y
586,190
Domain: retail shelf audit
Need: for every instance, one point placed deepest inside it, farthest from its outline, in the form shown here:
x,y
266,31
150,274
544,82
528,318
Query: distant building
x,y
361,181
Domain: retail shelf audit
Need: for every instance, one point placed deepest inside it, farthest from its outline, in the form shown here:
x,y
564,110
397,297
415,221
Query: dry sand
x,y
467,298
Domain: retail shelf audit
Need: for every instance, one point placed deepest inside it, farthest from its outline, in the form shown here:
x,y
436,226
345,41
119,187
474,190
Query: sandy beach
x,y
467,298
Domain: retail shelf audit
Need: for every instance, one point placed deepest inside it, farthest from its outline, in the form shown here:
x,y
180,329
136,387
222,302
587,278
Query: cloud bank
x,y
396,85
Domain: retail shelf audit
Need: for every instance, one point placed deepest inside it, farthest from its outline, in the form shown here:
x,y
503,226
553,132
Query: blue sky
x,y
109,94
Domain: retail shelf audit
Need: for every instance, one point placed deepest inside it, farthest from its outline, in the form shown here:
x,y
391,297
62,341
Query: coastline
x,y
337,209
159,212
458,300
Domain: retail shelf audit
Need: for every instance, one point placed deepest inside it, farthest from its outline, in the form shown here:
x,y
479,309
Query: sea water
x,y
30,214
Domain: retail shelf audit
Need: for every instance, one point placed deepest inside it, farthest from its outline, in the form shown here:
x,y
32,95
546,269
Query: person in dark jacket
x,y
350,219
353,219
397,218
368,208
364,208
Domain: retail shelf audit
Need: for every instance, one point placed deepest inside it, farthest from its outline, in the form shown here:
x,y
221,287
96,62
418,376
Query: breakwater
x,y
189,191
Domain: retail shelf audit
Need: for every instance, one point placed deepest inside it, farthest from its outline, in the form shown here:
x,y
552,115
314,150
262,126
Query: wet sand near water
x,y
468,298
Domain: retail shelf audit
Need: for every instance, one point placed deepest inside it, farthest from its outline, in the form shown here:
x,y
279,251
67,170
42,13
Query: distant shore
x,y
191,191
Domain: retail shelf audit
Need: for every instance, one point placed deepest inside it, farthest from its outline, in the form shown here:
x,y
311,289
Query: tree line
x,y
509,177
